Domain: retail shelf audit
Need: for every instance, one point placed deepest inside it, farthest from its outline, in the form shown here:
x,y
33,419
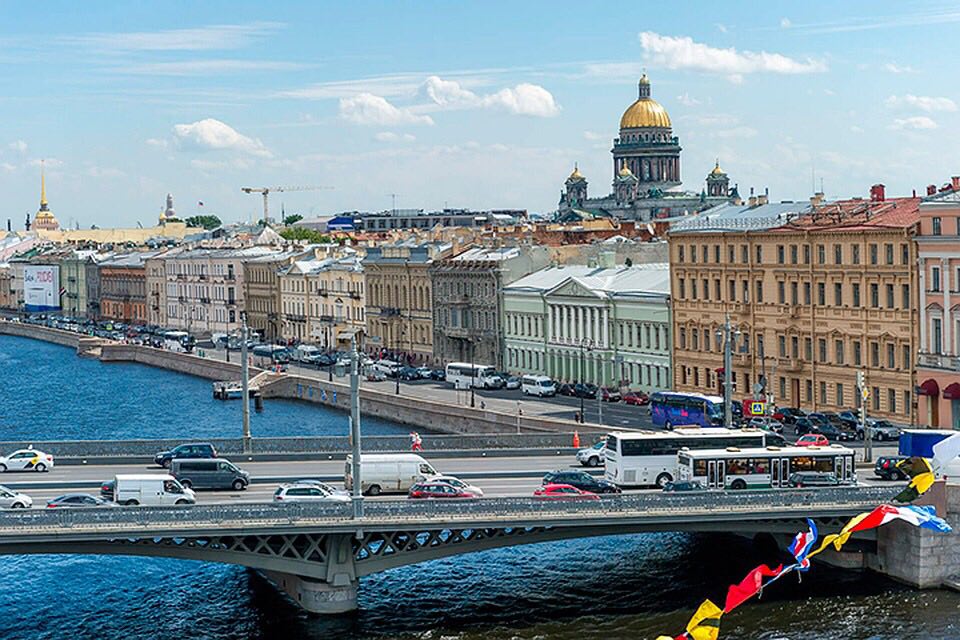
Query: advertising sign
x,y
41,287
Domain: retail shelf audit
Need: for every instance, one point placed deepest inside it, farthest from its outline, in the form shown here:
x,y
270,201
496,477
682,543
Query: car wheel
x,y
18,505
3,468
131,503
181,502
593,461
663,479
165,464
40,467
668,425
738,485
186,484
239,485
373,490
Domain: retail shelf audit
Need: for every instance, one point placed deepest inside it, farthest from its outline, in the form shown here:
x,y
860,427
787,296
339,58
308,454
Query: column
x,y
582,313
947,316
605,331
550,311
923,305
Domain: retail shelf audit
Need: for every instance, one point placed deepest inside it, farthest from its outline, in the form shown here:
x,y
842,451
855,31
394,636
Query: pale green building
x,y
605,324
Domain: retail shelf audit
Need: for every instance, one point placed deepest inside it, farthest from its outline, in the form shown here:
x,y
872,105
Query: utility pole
x,y
357,497
727,374
867,432
600,406
245,382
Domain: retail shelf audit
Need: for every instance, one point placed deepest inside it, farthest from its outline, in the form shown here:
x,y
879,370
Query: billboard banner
x,y
41,287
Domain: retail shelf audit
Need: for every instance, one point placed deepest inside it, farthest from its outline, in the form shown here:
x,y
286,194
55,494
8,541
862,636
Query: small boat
x,y
227,391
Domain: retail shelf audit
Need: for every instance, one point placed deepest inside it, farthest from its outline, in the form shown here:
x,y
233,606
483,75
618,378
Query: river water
x,y
621,587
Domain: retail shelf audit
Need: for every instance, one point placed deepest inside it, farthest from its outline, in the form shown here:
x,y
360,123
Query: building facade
x,y
322,301
400,298
123,288
8,299
468,300
815,292
73,280
604,324
261,280
938,369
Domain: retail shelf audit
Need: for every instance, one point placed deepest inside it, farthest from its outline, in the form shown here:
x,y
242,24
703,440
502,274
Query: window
x,y
838,351
838,293
693,288
891,356
856,295
905,251
821,254
839,398
732,287
906,401
706,289
822,349
906,356
857,355
808,349
693,253
806,293
782,340
856,254
716,288
783,387
937,336
731,255
746,291
781,293
873,254
937,226
874,354
683,337
793,293
935,279
683,289
680,252
821,294
875,393
888,250
823,393
716,253
706,255
793,254
809,394
744,254
875,295
759,295
806,254
837,254
889,296
760,251
780,254
892,400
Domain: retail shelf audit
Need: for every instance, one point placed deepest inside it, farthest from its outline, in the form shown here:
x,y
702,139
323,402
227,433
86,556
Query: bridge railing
x,y
17,523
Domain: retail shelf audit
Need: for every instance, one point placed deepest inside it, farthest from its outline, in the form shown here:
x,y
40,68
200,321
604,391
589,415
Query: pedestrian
x,y
416,442
483,405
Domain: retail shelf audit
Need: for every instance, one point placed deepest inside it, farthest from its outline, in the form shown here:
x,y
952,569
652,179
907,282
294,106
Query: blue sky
x,y
481,105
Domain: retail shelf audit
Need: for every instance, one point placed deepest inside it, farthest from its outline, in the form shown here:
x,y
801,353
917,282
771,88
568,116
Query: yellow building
x,y
44,220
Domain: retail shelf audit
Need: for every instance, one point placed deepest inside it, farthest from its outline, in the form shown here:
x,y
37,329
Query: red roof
x,y
860,214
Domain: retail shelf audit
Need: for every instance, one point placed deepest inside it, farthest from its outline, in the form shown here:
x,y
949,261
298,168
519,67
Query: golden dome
x,y
645,112
575,174
625,171
717,171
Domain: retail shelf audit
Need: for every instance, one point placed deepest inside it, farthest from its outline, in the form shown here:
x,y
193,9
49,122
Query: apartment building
x,y
322,301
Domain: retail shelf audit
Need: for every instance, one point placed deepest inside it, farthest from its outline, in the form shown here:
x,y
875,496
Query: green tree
x,y
292,219
205,222
307,235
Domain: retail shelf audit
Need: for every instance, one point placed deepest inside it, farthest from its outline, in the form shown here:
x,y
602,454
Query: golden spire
x,y
43,189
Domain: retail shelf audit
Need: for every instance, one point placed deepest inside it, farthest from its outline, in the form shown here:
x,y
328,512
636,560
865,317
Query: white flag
x,y
945,452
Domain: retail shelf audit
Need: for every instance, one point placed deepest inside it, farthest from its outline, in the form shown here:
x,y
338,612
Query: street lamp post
x,y
585,345
728,335
473,377
357,497
245,382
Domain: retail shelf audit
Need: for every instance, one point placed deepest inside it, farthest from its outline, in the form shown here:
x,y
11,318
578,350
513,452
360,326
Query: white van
x,y
538,386
389,368
154,490
307,354
388,472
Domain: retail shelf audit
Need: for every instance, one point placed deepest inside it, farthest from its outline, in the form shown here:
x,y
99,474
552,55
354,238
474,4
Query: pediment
x,y
573,288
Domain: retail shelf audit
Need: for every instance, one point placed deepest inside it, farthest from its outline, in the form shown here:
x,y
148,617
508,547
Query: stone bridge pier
x,y
334,593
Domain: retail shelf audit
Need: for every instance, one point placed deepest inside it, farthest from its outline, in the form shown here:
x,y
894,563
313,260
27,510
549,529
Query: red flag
x,y
740,593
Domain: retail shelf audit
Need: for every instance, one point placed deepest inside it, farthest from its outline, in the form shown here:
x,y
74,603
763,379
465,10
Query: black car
x,y
408,374
835,432
585,390
686,485
566,389
77,500
194,450
789,415
886,468
581,480
803,426
438,374
107,489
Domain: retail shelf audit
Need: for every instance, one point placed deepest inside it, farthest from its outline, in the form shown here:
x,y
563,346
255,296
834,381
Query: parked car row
x,y
841,425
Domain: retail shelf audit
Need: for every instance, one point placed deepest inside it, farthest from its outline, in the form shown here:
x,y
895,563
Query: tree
x,y
205,222
292,219
307,235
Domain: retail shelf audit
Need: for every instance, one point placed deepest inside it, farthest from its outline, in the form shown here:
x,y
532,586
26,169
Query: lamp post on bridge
x,y
357,495
245,382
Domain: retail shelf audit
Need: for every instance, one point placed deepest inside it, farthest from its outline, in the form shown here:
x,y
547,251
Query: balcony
x,y
202,276
231,302
936,361
326,319
230,277
205,300
355,295
389,312
322,293
790,365
295,318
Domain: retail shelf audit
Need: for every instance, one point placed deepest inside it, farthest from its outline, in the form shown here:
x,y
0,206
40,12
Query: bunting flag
x,y
705,623
945,452
750,586
918,486
802,544
924,517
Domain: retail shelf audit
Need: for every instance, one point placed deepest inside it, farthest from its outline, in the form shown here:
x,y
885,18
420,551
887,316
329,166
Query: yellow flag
x,y
918,486
840,539
705,623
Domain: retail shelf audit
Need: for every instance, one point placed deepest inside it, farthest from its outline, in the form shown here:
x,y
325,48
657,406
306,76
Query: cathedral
x,y
646,172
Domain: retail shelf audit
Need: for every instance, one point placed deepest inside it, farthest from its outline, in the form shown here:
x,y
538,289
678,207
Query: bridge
x,y
316,552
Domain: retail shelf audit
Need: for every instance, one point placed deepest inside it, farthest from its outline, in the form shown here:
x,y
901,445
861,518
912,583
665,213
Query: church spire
x,y
43,189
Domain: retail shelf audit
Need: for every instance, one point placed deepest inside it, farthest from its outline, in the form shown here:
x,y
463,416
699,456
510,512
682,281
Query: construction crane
x,y
266,191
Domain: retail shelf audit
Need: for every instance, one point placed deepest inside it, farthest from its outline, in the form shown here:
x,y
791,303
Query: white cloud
x,y
785,23
49,163
524,99
893,67
18,145
390,136
214,37
105,172
366,108
212,134
687,100
159,143
914,122
856,129
681,52
593,136
447,92
924,103
6,166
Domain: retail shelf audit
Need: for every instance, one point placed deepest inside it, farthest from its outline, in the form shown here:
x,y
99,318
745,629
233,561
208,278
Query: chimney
x,y
914,193
877,193
752,201
931,189
955,183
9,228
816,198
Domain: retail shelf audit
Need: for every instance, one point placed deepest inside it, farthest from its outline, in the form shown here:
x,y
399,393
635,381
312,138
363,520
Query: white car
x,y
592,456
10,499
459,484
26,460
308,492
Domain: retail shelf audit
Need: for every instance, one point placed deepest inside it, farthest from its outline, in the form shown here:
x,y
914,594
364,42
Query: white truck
x,y
307,354
153,490
388,472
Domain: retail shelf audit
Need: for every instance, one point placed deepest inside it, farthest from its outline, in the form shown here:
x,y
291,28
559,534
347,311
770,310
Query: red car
x,y
813,440
636,398
430,490
563,492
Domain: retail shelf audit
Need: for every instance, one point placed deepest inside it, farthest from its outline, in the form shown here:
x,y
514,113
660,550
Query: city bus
x,y
464,375
179,341
670,409
763,468
648,458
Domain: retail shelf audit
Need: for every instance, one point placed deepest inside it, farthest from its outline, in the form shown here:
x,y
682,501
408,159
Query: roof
x,y
134,259
858,214
483,254
741,217
607,282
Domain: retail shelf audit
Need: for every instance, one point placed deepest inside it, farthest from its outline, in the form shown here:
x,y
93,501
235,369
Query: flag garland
x,y
705,623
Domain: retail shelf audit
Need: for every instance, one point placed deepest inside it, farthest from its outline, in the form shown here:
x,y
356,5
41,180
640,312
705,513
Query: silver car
x,y
10,499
